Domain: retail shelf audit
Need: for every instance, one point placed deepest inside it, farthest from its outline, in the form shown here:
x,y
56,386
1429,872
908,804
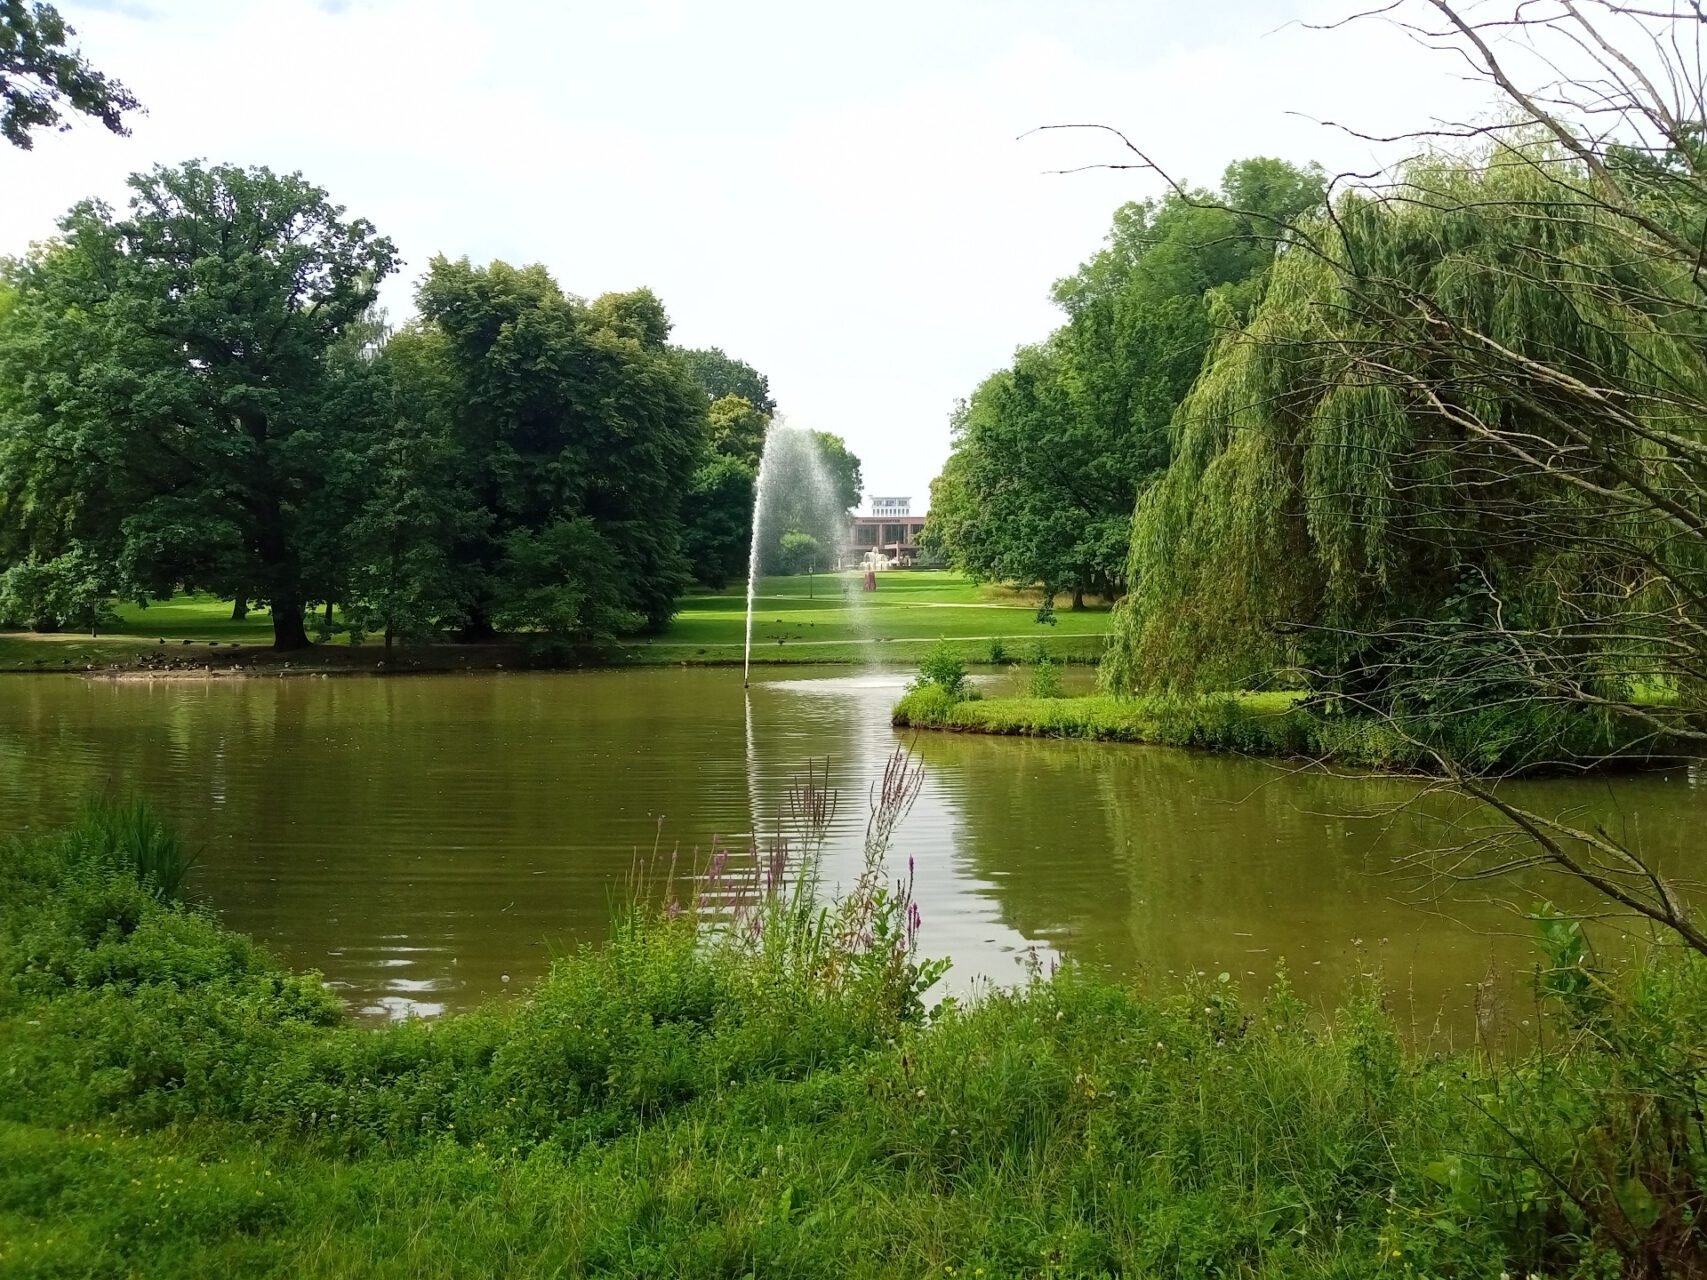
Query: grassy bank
x,y
1284,724
775,1102
824,619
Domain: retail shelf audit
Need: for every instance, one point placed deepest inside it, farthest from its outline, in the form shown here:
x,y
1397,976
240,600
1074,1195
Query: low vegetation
x,y
1287,724
758,1089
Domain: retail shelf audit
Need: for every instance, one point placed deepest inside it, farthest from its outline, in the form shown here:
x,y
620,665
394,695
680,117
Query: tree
x,y
41,77
814,481
563,579
798,552
72,589
414,507
720,507
1050,454
721,375
719,510
737,430
1456,460
636,314
842,468
164,383
573,423
719,520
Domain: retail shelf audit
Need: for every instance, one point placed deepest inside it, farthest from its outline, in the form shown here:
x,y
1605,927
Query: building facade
x,y
890,531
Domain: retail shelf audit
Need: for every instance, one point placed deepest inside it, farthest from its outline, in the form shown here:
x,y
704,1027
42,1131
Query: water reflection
x,y
429,843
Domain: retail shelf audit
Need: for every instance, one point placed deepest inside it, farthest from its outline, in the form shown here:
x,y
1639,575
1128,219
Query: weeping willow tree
x,y
1462,441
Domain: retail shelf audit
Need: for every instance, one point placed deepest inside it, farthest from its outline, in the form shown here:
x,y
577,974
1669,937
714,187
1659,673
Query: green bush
x,y
689,1101
1045,680
943,668
128,835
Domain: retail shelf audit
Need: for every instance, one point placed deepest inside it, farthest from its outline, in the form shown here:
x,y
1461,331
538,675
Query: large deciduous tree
x,y
579,432
412,504
42,76
1402,464
165,384
1050,454
722,375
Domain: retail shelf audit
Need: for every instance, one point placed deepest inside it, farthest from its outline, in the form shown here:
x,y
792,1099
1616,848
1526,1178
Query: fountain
x,y
794,488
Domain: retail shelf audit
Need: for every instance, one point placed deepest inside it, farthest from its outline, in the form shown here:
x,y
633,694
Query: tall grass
x,y
746,1081
765,910
128,835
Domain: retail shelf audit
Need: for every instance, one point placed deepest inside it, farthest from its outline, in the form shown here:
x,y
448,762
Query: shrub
x,y
998,653
943,668
127,835
1045,680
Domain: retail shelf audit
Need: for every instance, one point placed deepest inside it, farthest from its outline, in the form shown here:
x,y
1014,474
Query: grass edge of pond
x,y
183,1105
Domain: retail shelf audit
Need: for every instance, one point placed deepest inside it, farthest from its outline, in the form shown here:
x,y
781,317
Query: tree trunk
x,y
478,628
239,609
280,571
1078,599
390,633
288,631
328,615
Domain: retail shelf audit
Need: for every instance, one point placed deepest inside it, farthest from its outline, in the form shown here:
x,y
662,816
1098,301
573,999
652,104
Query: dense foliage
x,y
42,76
1050,454
1392,481
202,395
807,515
579,433
706,1104
168,395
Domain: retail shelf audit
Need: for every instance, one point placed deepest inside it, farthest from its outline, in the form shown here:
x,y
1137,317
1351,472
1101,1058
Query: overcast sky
x,y
834,194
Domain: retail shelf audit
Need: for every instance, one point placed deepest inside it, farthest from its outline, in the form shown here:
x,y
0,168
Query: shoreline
x,y
1275,725
128,658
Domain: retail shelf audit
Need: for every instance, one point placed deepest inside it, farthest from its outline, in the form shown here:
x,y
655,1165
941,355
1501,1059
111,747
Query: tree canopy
x,y
166,385
1050,453
1405,440
580,433
722,375
202,394
42,76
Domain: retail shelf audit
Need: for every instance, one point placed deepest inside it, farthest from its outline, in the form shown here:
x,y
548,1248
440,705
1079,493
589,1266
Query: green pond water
x,y
428,843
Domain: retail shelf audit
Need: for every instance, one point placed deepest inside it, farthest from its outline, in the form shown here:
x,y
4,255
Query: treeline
x,y
1453,467
202,395
1437,451
1050,454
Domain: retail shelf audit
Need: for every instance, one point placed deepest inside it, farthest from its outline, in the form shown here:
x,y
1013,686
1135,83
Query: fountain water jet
x,y
793,484
760,488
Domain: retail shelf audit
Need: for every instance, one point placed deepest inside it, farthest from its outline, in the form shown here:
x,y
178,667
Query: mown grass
x,y
693,1103
834,620
828,619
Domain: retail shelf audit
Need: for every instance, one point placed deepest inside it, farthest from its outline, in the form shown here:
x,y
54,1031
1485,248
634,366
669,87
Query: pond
x,y
431,842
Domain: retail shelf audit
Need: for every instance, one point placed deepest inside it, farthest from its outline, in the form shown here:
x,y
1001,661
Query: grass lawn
x,y
187,628
828,618
831,619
